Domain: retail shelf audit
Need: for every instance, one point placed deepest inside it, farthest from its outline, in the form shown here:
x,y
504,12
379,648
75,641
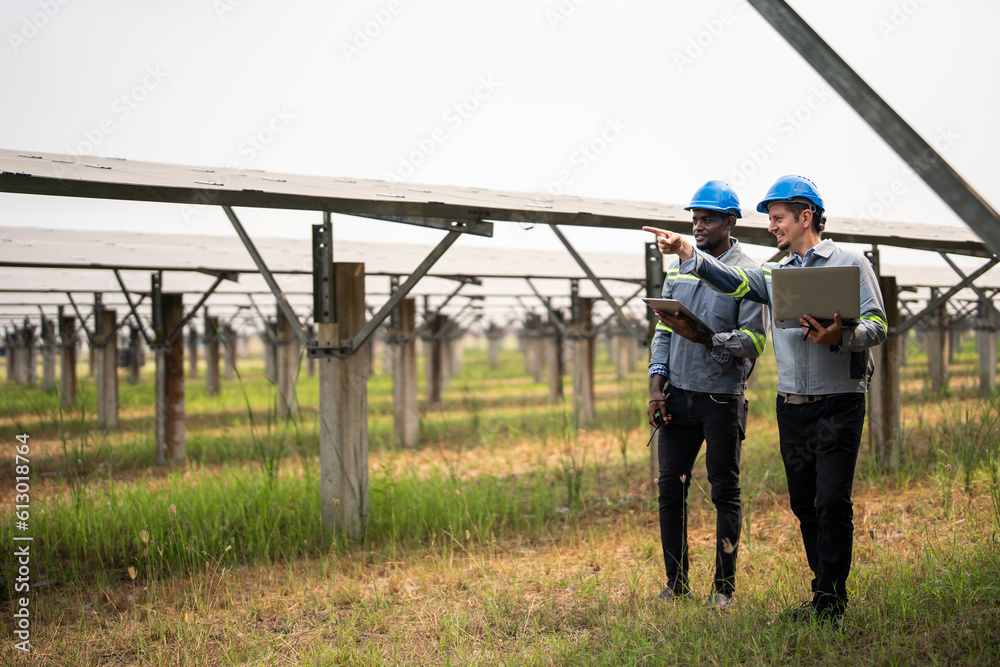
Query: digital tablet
x,y
673,307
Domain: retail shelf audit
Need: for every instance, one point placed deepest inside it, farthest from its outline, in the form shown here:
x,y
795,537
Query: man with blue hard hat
x,y
698,381
823,375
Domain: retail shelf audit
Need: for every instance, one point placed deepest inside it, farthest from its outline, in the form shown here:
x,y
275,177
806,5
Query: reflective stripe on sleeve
x,y
759,340
744,287
876,318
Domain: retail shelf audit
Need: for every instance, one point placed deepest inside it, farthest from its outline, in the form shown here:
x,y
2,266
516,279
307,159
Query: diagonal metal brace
x,y
599,285
942,298
975,288
547,302
411,281
429,317
283,304
889,125
201,301
83,320
132,307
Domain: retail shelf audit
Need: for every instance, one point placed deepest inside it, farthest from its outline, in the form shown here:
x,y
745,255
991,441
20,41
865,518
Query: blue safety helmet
x,y
716,196
793,188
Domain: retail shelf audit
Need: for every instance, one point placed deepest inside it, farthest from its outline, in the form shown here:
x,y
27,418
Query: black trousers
x,y
718,420
819,447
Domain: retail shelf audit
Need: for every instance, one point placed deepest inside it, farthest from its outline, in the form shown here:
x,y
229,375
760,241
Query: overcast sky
x,y
641,100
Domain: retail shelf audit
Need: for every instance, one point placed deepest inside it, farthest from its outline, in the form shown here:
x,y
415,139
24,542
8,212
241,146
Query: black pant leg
x,y
678,447
796,425
720,416
838,439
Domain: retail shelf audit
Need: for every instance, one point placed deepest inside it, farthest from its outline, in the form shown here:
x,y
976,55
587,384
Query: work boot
x,y
719,602
670,595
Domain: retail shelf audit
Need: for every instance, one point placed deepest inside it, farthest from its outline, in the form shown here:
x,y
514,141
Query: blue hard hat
x,y
792,188
716,196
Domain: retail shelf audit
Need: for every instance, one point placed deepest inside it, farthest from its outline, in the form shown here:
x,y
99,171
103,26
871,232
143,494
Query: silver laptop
x,y
819,291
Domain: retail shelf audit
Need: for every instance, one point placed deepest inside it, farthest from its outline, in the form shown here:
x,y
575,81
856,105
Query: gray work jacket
x,y
741,328
805,367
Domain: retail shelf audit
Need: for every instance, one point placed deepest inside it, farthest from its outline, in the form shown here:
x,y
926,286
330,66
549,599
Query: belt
x,y
802,399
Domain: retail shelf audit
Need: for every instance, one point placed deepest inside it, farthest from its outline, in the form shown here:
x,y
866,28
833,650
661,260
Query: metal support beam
x,y
201,301
397,296
598,284
429,316
982,295
873,257
132,307
469,226
260,314
557,319
937,301
83,320
322,247
283,304
910,146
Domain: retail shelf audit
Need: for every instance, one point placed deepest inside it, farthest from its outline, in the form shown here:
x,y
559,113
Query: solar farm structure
x,y
331,298
456,544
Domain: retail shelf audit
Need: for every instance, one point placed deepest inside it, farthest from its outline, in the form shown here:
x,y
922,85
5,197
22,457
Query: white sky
x,y
682,92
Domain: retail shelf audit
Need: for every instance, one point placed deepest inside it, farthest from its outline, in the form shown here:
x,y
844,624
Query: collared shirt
x,y
801,261
803,366
741,333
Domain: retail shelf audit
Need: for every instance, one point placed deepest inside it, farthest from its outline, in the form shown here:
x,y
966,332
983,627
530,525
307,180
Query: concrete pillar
x,y
107,369
67,375
343,410
24,355
434,362
444,342
212,383
404,389
986,348
230,342
583,366
884,392
287,359
135,354
91,359
48,355
268,337
170,443
621,346
494,338
554,353
956,338
8,341
192,351
529,349
457,350
936,340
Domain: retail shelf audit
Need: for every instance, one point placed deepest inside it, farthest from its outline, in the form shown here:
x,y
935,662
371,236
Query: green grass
x,y
508,536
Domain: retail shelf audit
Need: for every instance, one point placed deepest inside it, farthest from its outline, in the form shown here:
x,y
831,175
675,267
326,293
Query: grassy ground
x,y
506,537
